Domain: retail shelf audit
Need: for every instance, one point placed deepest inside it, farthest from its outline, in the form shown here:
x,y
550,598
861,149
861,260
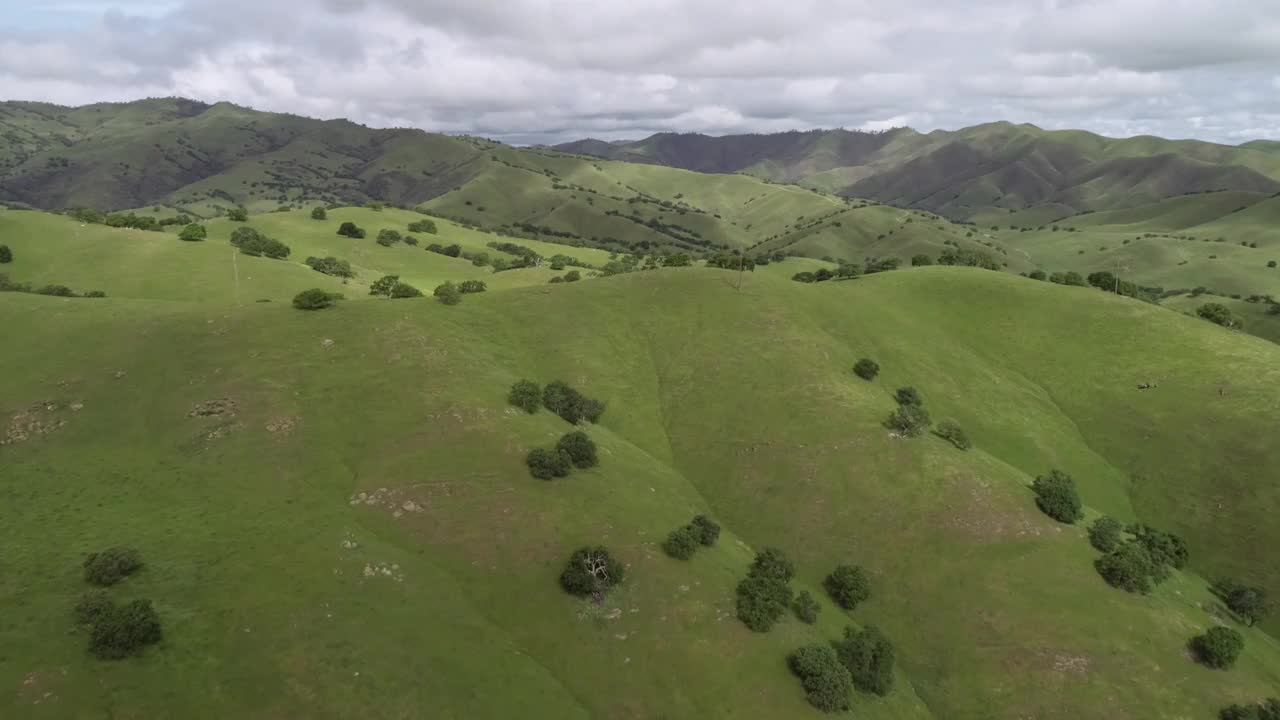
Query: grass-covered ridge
x,y
357,533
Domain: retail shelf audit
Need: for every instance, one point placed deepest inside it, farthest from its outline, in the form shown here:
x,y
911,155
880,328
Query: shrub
x,y
848,586
826,681
526,395
953,433
1271,263
1037,275
1248,602
1056,497
545,463
56,291
706,529
591,409
319,213
806,608
193,233
1165,548
448,294
761,601
244,234
1268,710
579,448
772,564
95,294
909,420
563,400
6,255
331,266
480,259
452,250
682,543
111,565
471,286
423,226
1218,648
349,229
388,237
1131,568
868,656
238,214
92,605
315,299
908,396
124,630
1106,534
572,276
591,571
921,260
405,290
383,285
556,280
804,277
262,245
411,241
867,369
1219,314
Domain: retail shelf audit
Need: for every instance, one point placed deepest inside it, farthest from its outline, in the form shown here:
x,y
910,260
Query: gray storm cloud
x,y
549,70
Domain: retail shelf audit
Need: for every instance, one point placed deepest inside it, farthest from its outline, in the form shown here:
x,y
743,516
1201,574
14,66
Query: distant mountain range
x,y
966,172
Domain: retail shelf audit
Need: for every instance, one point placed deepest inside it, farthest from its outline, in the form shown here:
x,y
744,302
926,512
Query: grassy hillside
x,y
286,592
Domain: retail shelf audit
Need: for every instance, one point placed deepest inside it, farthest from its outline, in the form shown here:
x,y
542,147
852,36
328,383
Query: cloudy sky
x,y
550,70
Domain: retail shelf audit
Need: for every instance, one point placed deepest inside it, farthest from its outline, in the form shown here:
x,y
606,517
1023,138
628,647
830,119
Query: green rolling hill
x,y
353,530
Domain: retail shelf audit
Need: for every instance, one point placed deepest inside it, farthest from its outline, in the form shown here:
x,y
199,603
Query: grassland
x,y
267,564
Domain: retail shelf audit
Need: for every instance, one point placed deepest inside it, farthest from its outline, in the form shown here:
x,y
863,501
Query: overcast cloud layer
x,y
551,70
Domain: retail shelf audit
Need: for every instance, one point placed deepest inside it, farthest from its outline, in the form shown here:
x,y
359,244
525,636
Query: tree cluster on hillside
x,y
115,631
1218,647
349,229
7,285
685,540
572,406
331,266
1056,497
848,586
1220,314
251,242
390,286
316,299
6,255
319,213
968,258
574,449
425,225
869,657
1268,709
447,293
193,233
910,419
1137,558
825,679
866,368
388,237
765,594
591,571
1248,602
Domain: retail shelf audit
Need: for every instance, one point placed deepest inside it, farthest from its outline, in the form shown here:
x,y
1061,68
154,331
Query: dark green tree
x,y
6,255
423,226
124,630
244,235
1056,497
909,420
1247,601
707,530
908,396
319,213
315,299
848,586
591,571
826,681
1037,275
403,290
806,608
193,233
1165,547
681,543
1218,648
111,565
384,285
563,400
761,601
572,276
545,464
349,229
1106,534
93,605
1131,568
773,564
467,287
388,237
921,260
1219,314
526,395
238,214
448,294
953,433
867,369
869,657
579,448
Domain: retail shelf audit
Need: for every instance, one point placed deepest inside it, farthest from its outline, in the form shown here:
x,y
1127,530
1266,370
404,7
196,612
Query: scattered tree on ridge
x,y
706,529
1056,497
681,543
423,226
1218,648
448,294
388,237
806,608
111,565
6,255
319,213
591,571
404,290
867,369
848,586
1106,533
467,287
1130,567
545,464
825,679
579,448
869,657
124,630
193,233
238,214
909,420
764,595
349,229
908,396
383,285
315,299
1248,602
526,395
1219,314
921,260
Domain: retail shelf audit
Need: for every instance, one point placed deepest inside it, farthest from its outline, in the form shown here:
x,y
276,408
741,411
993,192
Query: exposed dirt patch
x,y
224,408
39,688
282,425
39,419
974,511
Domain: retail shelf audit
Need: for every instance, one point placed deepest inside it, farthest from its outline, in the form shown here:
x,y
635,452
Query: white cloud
x,y
545,70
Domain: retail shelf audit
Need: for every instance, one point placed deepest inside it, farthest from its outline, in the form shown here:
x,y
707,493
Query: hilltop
x,y
969,171
337,519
